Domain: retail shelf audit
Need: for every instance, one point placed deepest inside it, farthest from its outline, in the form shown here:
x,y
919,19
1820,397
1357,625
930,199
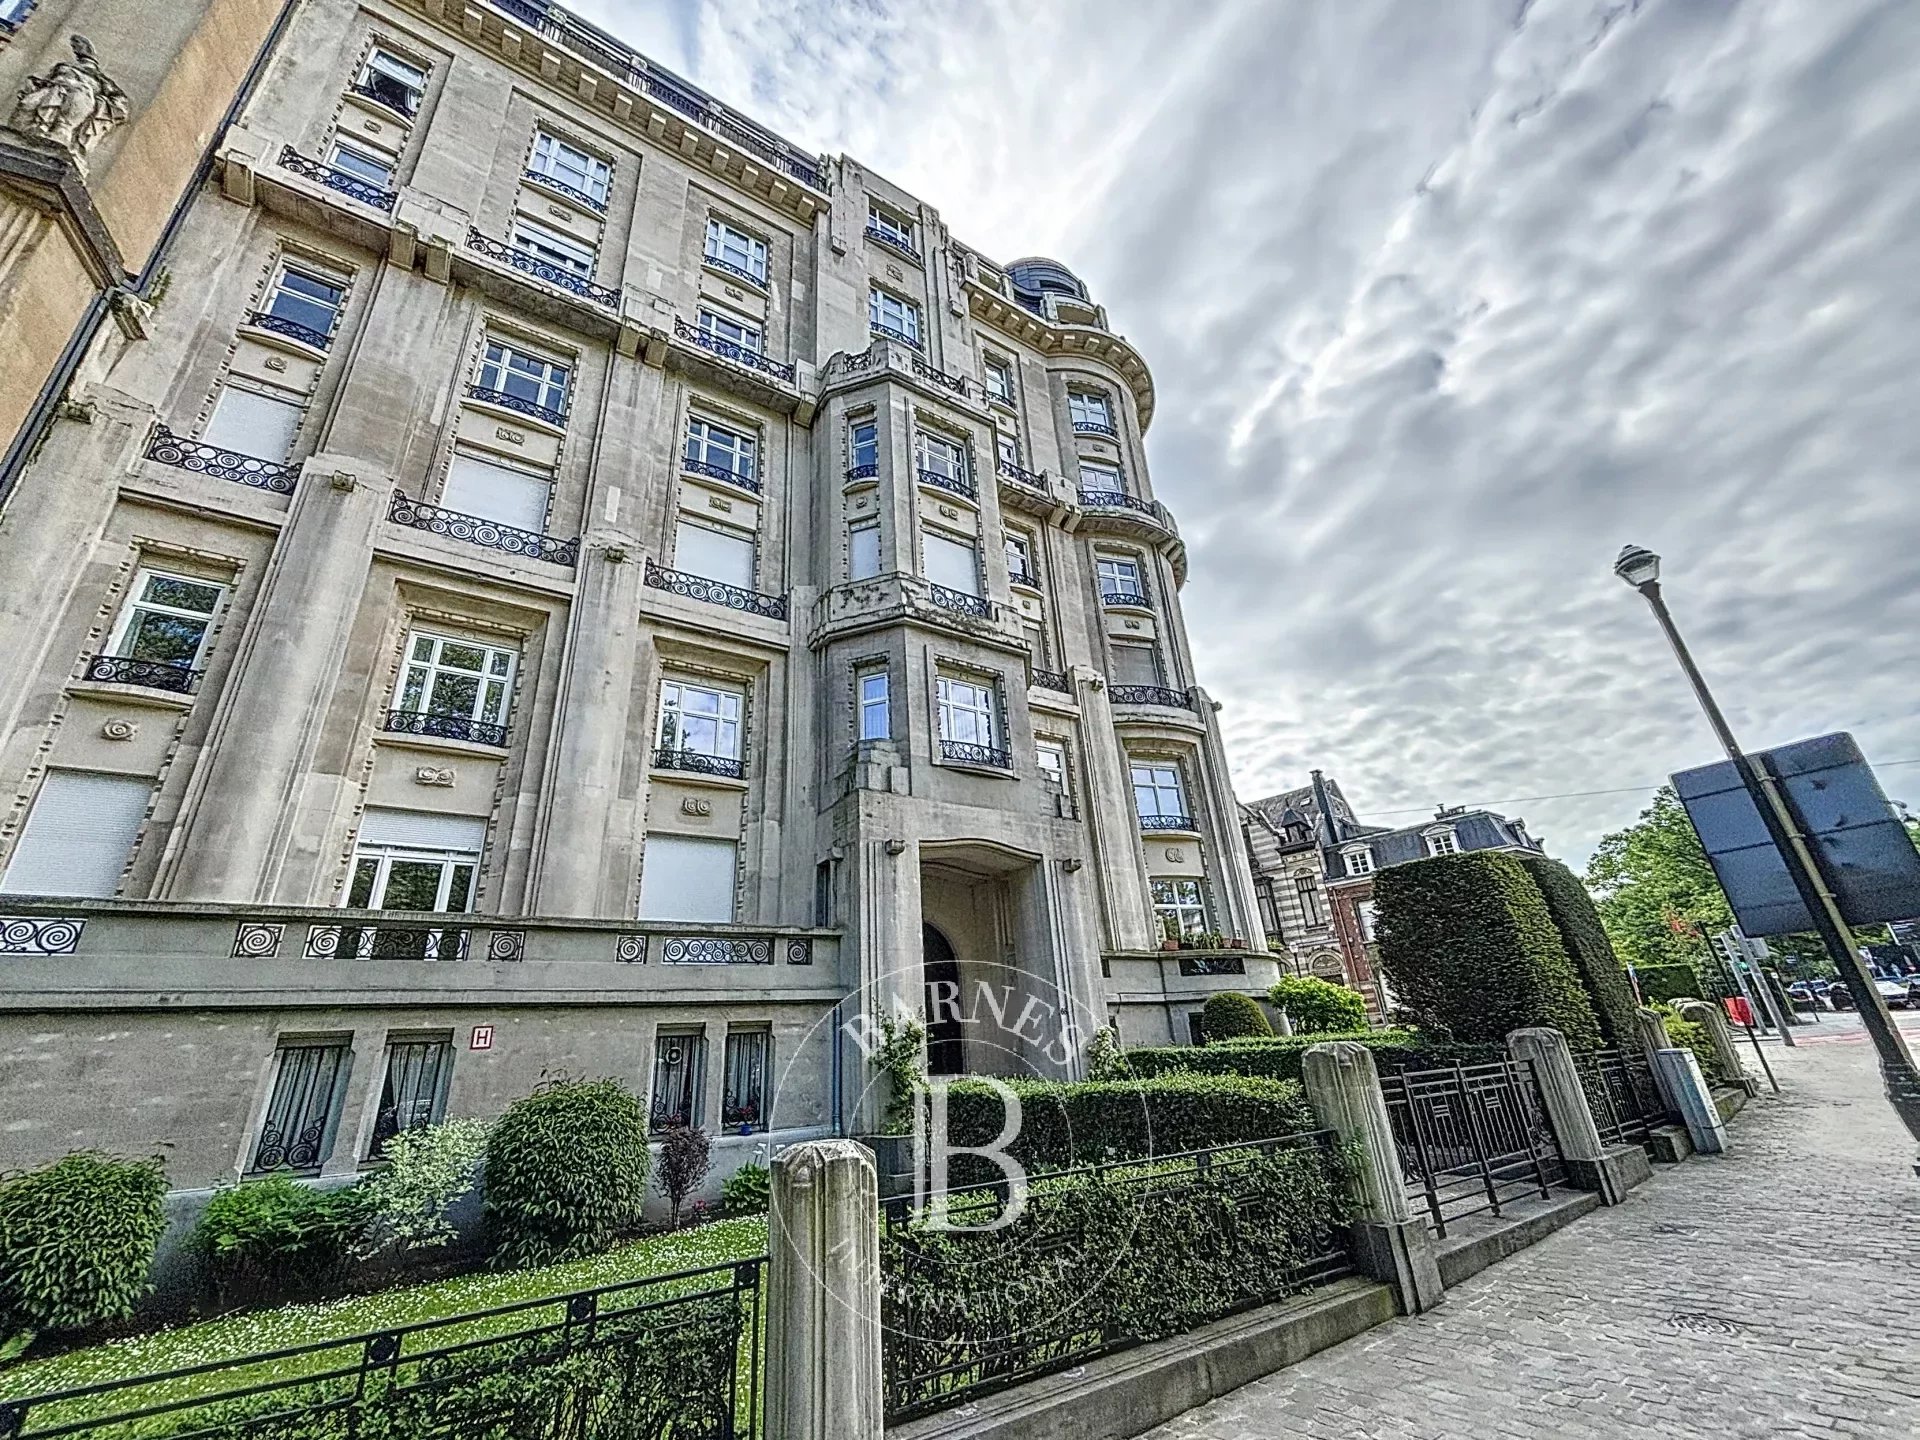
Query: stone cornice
x,y
48,179
1065,341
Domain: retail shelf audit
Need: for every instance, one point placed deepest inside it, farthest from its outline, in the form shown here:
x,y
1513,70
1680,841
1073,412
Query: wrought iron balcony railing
x,y
728,350
171,449
716,592
601,295
1136,597
1167,822
387,942
351,186
1010,471
960,485
698,762
395,103
739,272
961,601
570,192
956,383
898,246
551,414
478,530
1151,695
969,754
887,332
1118,500
863,472
1095,427
749,483
444,727
1056,680
152,674
1023,577
1005,402
292,329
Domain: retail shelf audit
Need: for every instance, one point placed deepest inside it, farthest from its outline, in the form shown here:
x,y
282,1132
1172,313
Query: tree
x,y
683,1165
1317,1006
1658,897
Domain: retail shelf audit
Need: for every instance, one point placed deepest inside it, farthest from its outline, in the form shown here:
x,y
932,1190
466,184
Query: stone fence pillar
x,y
1693,1099
1592,1164
1651,1026
1388,1243
1713,1019
823,1295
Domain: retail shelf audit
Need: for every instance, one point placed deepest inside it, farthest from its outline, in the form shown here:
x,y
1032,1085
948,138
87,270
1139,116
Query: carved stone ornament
x,y
691,806
119,728
1175,857
72,105
434,775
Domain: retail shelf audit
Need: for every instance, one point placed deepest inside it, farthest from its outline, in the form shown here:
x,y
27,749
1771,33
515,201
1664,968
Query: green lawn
x,y
234,1337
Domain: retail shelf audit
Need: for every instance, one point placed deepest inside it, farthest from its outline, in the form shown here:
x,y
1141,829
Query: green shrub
x,y
566,1173
1469,947
1232,1016
428,1169
1104,1061
901,1059
1667,983
685,1154
1691,1035
1316,1006
747,1191
77,1240
1280,1057
1585,938
1067,1124
274,1237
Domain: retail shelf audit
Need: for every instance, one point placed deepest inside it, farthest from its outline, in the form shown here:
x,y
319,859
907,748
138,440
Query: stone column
x,y
1713,1019
823,1295
1592,1164
1230,863
1388,1243
238,819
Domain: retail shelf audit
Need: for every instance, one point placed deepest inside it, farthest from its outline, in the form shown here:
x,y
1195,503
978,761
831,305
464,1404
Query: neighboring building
x,y
1314,863
653,571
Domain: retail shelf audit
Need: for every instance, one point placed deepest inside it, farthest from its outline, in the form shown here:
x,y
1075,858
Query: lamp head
x,y
1639,568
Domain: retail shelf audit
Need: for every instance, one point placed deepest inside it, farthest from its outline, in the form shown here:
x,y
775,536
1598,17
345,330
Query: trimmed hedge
x,y
1667,983
1691,1035
274,1237
1233,1016
1587,945
77,1240
566,1173
1063,1124
1280,1057
1468,945
1317,1006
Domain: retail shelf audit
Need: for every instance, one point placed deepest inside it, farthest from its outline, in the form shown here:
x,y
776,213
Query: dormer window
x,y
1442,841
1359,860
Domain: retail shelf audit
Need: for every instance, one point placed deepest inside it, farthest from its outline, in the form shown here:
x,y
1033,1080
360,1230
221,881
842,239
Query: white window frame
x,y
735,252
940,455
386,856
134,606
1119,575
1090,407
723,708
871,443
414,80
1163,778
1358,860
728,447
895,228
503,360
1058,772
591,176
969,703
493,695
1100,475
313,275
553,247
893,315
1442,840
1006,448
715,325
992,367
1020,549
1185,903
873,699
367,155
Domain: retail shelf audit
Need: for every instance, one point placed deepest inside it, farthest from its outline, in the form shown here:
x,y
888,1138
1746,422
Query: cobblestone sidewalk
x,y
1773,1291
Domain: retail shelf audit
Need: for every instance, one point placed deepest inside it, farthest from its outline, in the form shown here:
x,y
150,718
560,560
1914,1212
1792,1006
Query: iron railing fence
x,y
1080,1272
1623,1095
654,1359
1472,1138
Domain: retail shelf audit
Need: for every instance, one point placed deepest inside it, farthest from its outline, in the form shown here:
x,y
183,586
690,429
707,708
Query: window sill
x,y
700,778
894,247
1188,832
147,695
1026,585
439,745
550,190
974,767
735,277
518,418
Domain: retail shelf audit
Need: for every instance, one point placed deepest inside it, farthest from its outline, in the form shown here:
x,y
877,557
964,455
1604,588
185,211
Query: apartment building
x,y
572,583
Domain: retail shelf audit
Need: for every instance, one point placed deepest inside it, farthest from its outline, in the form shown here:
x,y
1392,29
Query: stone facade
x,y
550,500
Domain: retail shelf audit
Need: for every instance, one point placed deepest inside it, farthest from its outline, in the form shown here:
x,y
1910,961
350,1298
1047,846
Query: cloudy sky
x,y
1446,302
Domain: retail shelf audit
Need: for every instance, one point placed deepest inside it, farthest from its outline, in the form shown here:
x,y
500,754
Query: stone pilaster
x,y
1230,863
237,822
1343,1087
1112,830
823,1295
1592,1164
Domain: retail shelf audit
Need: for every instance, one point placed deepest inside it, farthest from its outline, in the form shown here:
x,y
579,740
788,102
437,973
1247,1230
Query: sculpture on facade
x,y
72,105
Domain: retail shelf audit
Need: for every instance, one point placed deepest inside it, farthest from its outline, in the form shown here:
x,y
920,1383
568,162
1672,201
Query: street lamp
x,y
1641,569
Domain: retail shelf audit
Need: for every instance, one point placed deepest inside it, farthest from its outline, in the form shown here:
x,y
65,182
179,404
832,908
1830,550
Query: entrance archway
x,y
945,1047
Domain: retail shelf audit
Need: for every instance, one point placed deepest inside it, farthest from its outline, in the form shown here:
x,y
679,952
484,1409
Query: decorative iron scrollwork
x,y
171,449
1151,695
716,950
351,186
961,601
699,763
729,350
963,753
151,674
444,727
716,592
601,295
29,935
292,329
478,530
533,408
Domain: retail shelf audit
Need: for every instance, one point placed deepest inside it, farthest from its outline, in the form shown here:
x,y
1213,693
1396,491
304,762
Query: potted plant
x,y
1169,934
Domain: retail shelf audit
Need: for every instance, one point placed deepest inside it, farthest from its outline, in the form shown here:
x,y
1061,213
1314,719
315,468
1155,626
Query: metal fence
x,y
1099,1259
674,1357
1471,1138
1623,1095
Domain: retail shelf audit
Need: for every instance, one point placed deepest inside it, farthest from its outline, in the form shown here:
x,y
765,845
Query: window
x,y
999,380
252,422
309,1083
876,704
418,860
1089,410
688,877
892,228
1119,579
679,1075
724,328
1136,663
743,1101
393,82
937,455
464,678
550,247
79,835
863,551
1157,792
492,491
954,564
891,315
570,167
863,447
166,619
1196,1027
1052,758
1442,842
966,710
823,894
540,382
1181,907
1097,476
700,719
13,13
722,555
414,1092
1007,448
1359,862
736,251
368,165
1020,560
306,300
721,448
1307,890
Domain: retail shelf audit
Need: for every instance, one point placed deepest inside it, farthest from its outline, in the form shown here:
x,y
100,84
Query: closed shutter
x,y
79,835
953,564
493,492
422,830
253,424
699,550
687,878
1135,665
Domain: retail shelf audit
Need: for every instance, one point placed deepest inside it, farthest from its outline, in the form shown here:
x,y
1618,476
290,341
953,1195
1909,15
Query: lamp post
x,y
1641,569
